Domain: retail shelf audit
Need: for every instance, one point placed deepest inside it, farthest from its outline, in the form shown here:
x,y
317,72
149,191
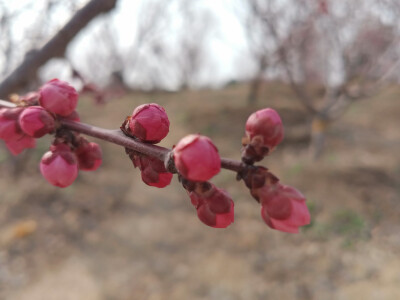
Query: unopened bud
x,y
283,208
264,131
153,171
89,156
59,166
16,146
149,123
58,97
197,158
9,127
214,207
35,121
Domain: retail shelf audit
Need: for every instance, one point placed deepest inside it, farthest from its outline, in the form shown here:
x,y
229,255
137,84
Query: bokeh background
x,y
330,68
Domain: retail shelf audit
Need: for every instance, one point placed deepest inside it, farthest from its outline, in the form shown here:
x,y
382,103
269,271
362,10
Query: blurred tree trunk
x,y
319,127
55,47
257,82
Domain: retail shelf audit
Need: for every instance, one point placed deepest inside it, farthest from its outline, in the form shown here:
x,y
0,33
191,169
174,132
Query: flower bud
x,y
149,123
153,171
215,207
9,127
59,166
35,121
152,178
264,131
89,156
16,146
211,219
58,97
283,208
197,158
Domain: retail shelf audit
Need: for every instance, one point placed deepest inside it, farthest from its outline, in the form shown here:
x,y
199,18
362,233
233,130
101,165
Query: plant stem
x,y
119,138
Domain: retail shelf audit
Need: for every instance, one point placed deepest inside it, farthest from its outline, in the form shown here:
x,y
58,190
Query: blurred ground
x,y
109,236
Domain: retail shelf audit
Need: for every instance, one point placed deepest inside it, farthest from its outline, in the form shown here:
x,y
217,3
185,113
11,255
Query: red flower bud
x,y
197,158
215,208
153,171
264,131
283,208
16,146
58,97
59,166
35,121
89,156
149,123
9,127
152,178
268,124
211,219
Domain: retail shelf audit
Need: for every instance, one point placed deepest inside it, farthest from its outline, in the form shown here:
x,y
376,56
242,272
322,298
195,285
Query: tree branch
x,y
119,138
55,47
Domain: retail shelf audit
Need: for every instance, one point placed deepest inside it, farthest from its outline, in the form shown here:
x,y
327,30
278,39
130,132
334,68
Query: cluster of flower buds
x,y
195,158
282,207
68,154
148,123
36,115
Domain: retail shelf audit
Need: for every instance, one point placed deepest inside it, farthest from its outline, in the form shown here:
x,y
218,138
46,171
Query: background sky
x,y
226,44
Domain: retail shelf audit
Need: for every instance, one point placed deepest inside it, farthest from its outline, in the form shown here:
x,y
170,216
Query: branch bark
x,y
55,47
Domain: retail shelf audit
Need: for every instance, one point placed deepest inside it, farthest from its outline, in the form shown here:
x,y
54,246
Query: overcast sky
x,y
227,52
226,43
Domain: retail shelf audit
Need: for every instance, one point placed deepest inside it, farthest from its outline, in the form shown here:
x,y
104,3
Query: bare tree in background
x,y
55,47
144,48
321,43
260,49
195,29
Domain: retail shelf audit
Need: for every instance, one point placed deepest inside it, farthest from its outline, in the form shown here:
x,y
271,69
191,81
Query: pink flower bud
x,y
264,131
59,166
9,127
226,219
16,146
149,123
197,158
35,121
152,178
211,219
58,97
268,124
215,208
89,156
153,171
283,208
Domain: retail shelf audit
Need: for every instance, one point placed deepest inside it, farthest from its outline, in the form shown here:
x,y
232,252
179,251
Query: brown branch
x,y
55,47
119,138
